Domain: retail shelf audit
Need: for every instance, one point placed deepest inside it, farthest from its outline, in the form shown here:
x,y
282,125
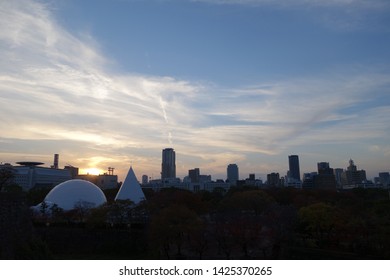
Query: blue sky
x,y
112,83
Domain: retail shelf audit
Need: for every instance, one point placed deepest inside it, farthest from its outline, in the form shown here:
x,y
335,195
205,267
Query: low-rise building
x,y
29,174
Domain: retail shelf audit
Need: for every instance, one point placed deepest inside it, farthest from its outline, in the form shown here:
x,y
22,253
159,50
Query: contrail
x,y
163,110
162,105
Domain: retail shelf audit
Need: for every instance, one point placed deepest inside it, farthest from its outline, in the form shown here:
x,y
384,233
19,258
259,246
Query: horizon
x,y
112,83
261,176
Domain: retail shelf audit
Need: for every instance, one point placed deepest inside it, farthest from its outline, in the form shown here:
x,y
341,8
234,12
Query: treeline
x,y
245,223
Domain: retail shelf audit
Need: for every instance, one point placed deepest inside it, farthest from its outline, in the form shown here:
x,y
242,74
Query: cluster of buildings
x,y
32,174
324,178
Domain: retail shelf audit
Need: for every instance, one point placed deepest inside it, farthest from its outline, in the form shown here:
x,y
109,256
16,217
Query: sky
x,y
112,83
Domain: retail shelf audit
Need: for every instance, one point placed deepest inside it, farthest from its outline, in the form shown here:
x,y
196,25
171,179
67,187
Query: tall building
x,y
293,163
232,174
352,176
273,179
308,179
384,179
194,174
325,178
337,174
168,166
324,168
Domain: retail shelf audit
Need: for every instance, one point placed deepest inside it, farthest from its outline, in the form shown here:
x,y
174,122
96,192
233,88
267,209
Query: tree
x,y
171,226
199,239
7,173
253,201
120,212
239,222
318,221
81,210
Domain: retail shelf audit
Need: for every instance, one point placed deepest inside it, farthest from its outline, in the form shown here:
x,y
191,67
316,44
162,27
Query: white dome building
x,y
70,193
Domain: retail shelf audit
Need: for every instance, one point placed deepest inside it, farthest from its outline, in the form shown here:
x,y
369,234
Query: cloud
x,y
56,87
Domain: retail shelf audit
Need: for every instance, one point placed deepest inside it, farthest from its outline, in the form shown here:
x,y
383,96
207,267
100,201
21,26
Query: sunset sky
x,y
112,83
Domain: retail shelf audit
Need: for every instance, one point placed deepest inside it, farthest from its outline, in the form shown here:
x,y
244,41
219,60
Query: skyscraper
x,y
168,166
273,179
293,163
324,168
352,176
325,178
232,174
384,179
194,174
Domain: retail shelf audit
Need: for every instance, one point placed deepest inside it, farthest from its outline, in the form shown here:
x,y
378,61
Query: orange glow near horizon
x,y
91,171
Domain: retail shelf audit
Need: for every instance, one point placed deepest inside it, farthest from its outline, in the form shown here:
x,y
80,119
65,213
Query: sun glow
x,y
92,171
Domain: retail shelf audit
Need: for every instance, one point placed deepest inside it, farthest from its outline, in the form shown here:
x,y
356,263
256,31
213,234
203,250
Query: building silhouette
x,y
232,174
194,174
337,174
168,165
384,179
145,179
293,164
325,178
30,174
352,176
104,181
308,179
273,179
74,171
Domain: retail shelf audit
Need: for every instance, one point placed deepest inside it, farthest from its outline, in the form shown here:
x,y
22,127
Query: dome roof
x,y
67,194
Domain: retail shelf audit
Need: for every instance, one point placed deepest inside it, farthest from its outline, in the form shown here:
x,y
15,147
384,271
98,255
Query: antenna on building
x,y
111,171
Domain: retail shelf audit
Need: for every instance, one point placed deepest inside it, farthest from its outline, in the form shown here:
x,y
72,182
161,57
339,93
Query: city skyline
x,y
112,83
168,170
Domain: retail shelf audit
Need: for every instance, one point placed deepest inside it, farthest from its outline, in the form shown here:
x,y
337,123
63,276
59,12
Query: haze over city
x,y
112,83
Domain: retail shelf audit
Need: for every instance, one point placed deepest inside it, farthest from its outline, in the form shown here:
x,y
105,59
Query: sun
x,y
92,171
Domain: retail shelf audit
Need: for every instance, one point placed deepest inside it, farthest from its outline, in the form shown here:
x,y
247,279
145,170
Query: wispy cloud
x,y
55,87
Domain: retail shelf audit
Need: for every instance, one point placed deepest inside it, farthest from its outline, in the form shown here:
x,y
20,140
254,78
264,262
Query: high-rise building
x,y
273,179
352,176
232,174
308,179
293,163
384,179
337,173
194,174
324,168
168,166
325,178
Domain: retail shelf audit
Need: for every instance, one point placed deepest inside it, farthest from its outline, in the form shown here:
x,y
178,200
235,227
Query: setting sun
x,y
92,171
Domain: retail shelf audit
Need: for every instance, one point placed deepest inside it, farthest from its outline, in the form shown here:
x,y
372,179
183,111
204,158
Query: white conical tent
x,y
130,189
